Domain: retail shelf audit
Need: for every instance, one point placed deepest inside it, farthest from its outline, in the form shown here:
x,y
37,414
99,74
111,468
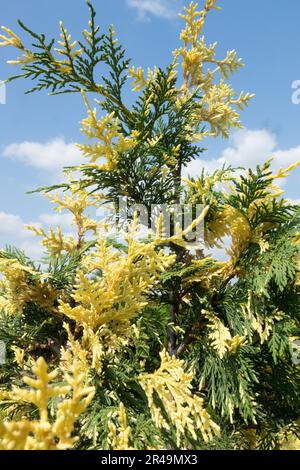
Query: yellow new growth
x,y
262,326
220,336
235,343
21,285
68,50
119,436
138,76
184,409
219,333
236,223
70,409
43,434
238,227
219,100
55,242
19,355
76,203
139,79
286,173
26,58
106,304
110,140
11,40
239,223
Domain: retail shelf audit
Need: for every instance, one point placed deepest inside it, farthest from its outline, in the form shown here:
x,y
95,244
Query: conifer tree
x,y
149,343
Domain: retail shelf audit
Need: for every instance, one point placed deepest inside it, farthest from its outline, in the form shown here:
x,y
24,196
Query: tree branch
x,y
190,336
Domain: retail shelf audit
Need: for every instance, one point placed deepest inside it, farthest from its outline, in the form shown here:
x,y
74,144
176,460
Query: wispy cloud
x,y
10,224
160,8
50,156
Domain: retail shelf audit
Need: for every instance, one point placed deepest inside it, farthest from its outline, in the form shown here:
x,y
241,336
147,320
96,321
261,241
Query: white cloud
x,y
161,8
63,220
13,232
248,148
32,248
10,224
51,156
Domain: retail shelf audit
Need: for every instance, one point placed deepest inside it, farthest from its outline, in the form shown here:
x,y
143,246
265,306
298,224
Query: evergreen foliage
x,y
151,343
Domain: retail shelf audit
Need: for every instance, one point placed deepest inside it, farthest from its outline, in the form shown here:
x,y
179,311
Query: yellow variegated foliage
x,y
115,298
70,409
220,105
73,350
221,339
68,50
184,409
239,224
218,108
286,173
219,333
234,344
43,434
229,221
55,242
178,237
238,227
207,274
19,355
76,203
119,437
89,350
11,39
139,79
263,327
219,101
26,58
21,285
112,287
138,76
110,140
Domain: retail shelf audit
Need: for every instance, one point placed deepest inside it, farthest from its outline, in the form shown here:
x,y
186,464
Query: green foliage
x,y
232,323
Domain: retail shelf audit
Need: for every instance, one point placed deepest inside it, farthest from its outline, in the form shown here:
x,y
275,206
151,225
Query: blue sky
x,y
38,132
